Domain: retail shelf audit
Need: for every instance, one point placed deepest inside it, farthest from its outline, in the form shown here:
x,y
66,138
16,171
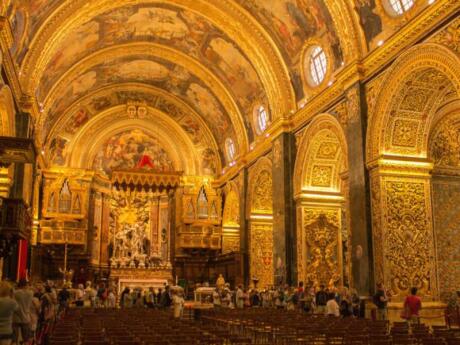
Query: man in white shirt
x,y
240,297
332,307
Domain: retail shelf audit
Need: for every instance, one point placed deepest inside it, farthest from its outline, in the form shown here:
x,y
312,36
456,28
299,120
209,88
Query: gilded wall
x,y
446,208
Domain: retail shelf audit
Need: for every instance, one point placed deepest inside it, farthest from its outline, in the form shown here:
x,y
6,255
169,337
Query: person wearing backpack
x,y
380,300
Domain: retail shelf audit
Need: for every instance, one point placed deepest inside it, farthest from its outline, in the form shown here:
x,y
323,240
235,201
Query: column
x,y
244,225
403,239
284,234
359,200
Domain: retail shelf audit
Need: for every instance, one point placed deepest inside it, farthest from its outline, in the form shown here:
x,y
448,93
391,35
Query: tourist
x,y
290,297
21,318
111,299
178,304
47,314
80,296
412,306
63,300
345,304
309,300
299,298
34,314
332,307
355,302
321,300
165,299
216,300
247,302
226,298
239,297
91,293
254,298
139,299
125,298
101,295
158,297
150,298
8,306
381,300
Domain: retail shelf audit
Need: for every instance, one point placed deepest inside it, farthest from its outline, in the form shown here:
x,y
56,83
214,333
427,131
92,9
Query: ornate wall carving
x,y
449,36
261,253
403,234
420,79
323,246
262,197
446,193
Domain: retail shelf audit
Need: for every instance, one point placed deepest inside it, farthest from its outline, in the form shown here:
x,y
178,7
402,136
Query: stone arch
x,y
260,210
231,220
420,79
319,187
323,149
177,143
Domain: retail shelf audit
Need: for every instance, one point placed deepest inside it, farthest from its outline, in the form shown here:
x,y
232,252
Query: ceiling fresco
x,y
79,115
162,74
292,23
133,149
174,27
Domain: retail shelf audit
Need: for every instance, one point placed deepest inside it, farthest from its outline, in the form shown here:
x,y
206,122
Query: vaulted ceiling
x,y
192,70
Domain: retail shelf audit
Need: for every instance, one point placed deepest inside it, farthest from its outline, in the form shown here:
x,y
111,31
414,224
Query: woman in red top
x,y
412,306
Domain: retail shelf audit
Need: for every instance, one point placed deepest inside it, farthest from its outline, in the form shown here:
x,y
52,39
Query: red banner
x,y
22,259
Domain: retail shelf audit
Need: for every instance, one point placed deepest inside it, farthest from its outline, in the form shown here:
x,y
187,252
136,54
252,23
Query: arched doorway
x,y
319,189
423,79
261,266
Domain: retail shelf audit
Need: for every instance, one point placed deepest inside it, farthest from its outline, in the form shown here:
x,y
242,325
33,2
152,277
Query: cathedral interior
x,y
270,141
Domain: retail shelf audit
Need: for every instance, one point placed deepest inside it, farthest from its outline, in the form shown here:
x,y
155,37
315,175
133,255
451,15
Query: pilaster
x,y
403,238
284,234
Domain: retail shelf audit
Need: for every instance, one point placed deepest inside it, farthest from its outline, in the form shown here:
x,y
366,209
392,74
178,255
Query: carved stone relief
x,y
262,197
323,246
446,210
449,36
403,235
261,255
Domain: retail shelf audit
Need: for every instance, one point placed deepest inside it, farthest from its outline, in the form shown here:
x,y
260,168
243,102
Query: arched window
x,y
401,6
230,147
261,118
318,65
202,204
65,198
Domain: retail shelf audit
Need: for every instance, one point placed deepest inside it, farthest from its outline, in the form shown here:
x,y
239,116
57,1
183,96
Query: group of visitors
x,y
96,297
151,298
411,306
331,301
27,314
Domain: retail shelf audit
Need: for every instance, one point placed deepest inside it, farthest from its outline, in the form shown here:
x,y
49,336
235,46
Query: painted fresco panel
x,y
132,149
174,27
